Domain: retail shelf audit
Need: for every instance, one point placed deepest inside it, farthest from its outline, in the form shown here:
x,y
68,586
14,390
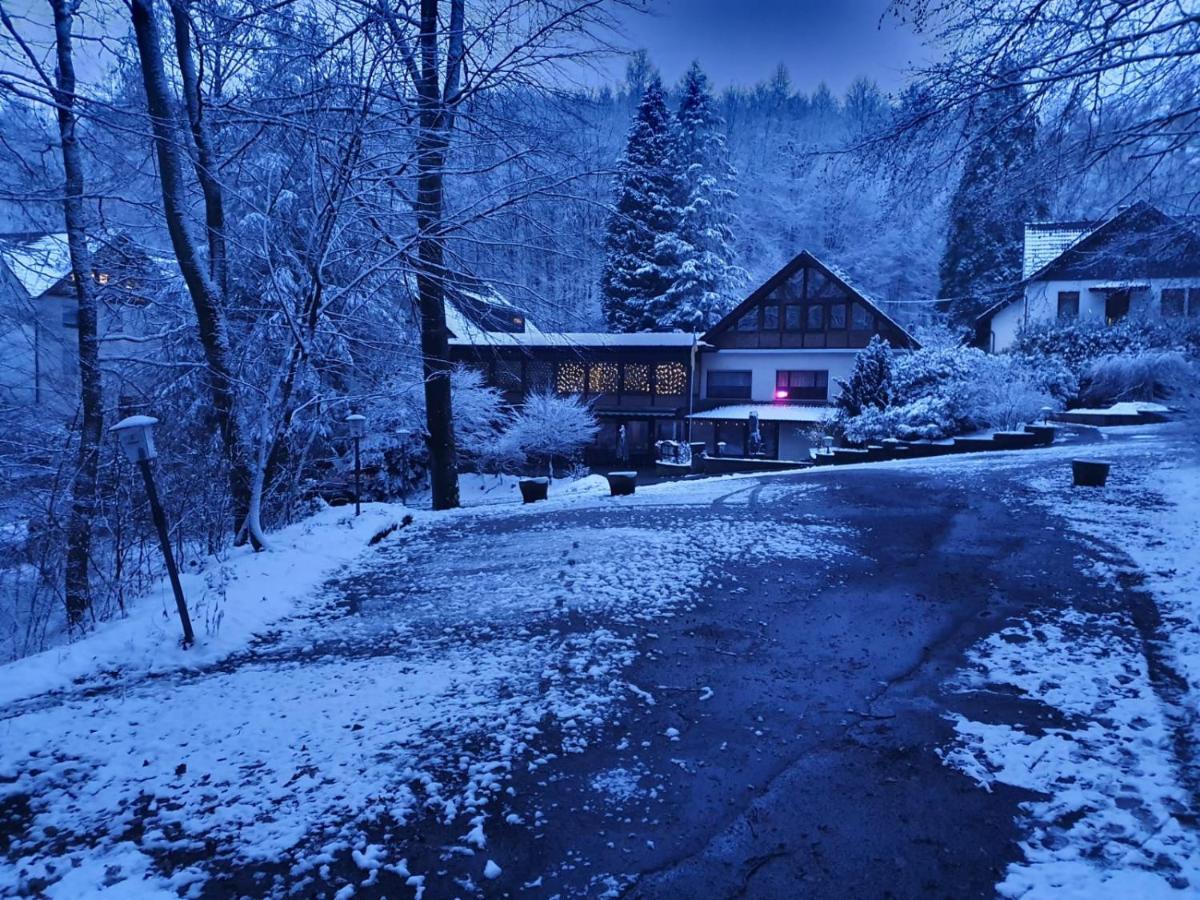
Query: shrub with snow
x,y
869,385
945,390
548,427
481,418
1150,375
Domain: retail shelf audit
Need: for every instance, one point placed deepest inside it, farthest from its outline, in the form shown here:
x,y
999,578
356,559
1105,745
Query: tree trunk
x,y
435,346
210,318
214,199
83,499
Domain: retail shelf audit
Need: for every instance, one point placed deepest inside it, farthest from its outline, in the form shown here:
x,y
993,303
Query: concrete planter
x,y
534,489
1014,440
1089,472
973,444
1043,434
621,484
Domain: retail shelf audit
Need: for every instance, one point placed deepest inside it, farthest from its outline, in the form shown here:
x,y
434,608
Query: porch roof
x,y
767,412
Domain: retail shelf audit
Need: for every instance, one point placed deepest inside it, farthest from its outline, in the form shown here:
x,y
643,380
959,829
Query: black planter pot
x,y
534,489
621,483
1089,472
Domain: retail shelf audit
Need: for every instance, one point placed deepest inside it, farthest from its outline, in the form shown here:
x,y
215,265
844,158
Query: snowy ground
x,y
313,722
1118,772
341,725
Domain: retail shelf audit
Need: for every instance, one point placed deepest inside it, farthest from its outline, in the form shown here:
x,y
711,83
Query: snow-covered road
x,y
727,683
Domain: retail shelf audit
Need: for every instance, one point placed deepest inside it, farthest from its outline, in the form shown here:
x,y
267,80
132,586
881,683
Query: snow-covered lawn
x,y
1117,818
414,684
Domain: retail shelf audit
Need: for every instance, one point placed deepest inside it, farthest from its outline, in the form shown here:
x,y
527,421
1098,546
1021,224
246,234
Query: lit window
x,y
569,378
602,378
102,277
801,384
637,378
670,379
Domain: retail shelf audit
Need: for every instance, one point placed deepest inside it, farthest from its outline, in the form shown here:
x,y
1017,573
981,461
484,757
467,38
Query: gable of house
x,y
805,305
1139,242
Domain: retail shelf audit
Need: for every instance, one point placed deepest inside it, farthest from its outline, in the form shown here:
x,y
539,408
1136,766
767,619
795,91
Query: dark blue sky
x,y
741,41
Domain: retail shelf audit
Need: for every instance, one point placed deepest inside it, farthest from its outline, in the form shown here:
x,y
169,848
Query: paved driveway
x,y
736,690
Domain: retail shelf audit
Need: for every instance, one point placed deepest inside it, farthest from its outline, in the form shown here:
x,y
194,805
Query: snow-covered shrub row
x,y
1079,344
1133,359
940,391
1150,375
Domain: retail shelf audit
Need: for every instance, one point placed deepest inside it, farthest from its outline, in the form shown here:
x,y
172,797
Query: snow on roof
x,y
38,263
568,339
1045,241
767,412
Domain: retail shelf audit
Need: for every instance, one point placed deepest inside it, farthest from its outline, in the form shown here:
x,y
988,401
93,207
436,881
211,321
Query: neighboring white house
x,y
1140,263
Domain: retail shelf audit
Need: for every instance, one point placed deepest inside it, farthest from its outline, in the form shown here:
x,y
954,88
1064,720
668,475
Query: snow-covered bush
x,y
1051,375
1150,375
1079,344
950,389
547,427
1008,393
870,384
481,418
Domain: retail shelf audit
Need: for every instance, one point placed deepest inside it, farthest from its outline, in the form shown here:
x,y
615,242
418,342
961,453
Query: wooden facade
x,y
805,306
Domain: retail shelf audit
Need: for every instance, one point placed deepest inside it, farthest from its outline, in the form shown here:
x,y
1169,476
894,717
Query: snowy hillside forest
x,y
263,202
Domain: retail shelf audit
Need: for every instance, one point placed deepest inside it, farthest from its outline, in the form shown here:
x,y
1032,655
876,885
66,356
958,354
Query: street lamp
x,y
357,426
135,434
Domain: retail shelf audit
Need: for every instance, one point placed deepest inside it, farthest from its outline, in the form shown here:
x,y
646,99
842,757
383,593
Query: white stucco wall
x,y
1040,305
762,364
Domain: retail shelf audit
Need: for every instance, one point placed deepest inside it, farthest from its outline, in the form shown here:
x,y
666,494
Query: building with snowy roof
x,y
1139,263
39,313
777,356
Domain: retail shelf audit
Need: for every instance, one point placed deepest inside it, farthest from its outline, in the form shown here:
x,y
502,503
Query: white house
x,y
39,358
779,354
1140,263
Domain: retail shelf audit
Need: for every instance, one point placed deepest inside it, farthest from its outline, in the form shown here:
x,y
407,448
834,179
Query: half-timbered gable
x,y
805,305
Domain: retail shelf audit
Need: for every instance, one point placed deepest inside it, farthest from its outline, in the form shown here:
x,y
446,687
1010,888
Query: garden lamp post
x,y
357,426
135,434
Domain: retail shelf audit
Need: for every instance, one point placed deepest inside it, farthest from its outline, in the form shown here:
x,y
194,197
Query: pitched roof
x,y
797,262
1144,227
37,261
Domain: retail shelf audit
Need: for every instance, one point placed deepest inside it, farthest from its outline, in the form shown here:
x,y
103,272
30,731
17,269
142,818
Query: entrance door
x,y
1116,306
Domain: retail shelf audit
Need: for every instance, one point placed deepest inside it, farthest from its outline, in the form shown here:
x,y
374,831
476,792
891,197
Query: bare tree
x,y
1077,62
83,488
204,289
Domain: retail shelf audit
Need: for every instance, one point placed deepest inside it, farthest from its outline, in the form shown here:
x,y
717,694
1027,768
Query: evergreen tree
x,y
869,385
705,274
996,195
642,239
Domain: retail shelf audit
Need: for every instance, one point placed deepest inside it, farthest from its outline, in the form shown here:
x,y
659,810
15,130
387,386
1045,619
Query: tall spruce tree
x,y
642,239
705,273
996,195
